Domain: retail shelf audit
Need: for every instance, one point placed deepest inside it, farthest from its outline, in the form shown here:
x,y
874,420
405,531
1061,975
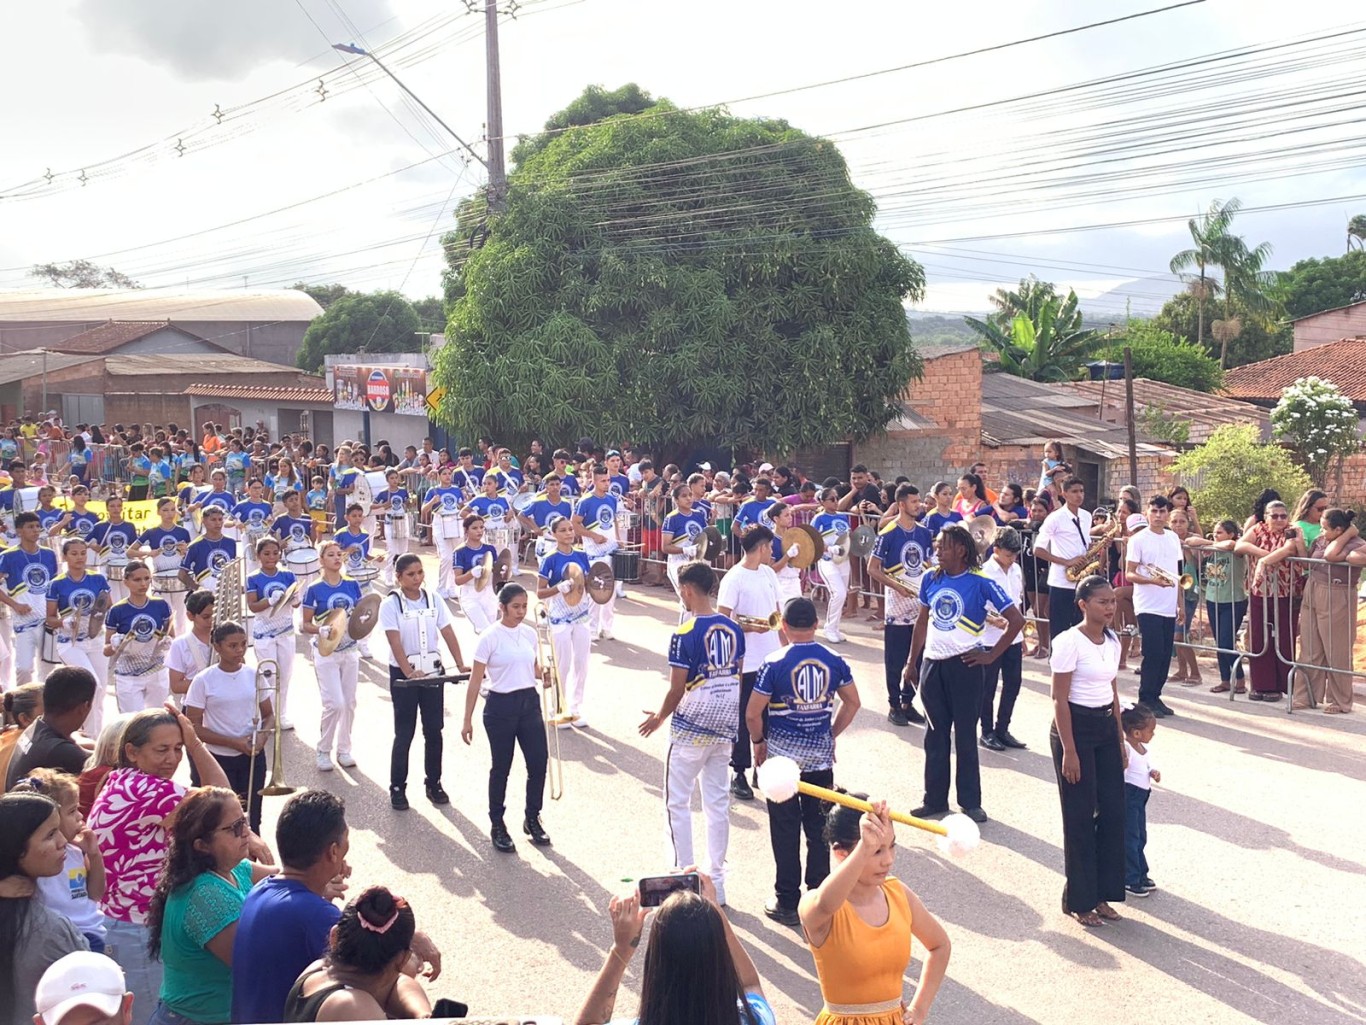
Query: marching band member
x,y
206,556
568,623
337,673
506,674
392,505
219,494
779,518
442,508
834,529
79,521
293,527
547,508
412,618
497,514
253,519
467,564
704,701
140,675
166,545
9,498
798,687
189,496
356,546
751,511
468,477
1004,568
70,601
509,478
569,483
27,571
231,717
112,539
50,517
1157,600
902,554
749,595
192,651
595,519
680,532
1062,542
954,598
273,634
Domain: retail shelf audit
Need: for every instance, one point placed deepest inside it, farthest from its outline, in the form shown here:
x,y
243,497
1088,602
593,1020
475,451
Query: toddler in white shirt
x,y
1139,725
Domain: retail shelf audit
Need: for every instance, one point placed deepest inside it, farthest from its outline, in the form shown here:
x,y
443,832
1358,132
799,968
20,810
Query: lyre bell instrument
x,y
552,702
769,622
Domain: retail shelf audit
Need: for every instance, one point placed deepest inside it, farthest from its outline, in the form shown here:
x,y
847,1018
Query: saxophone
x,y
1093,563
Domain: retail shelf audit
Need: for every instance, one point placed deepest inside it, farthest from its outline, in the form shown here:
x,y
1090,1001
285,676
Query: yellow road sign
x,y
434,398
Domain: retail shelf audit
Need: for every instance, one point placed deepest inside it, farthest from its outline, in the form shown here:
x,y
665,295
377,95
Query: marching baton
x,y
780,780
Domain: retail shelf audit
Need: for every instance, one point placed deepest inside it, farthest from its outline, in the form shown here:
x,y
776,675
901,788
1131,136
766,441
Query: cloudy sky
x,y
983,166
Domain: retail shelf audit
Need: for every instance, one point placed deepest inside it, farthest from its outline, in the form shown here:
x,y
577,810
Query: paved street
x,y
1256,839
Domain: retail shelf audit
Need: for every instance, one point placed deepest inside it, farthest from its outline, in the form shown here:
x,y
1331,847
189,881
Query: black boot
x,y
436,794
502,841
532,827
398,799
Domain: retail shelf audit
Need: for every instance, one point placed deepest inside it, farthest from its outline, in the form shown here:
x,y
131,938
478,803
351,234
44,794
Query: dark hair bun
x,y
376,905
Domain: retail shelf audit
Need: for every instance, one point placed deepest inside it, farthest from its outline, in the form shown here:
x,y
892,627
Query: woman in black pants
x,y
508,673
1088,754
412,618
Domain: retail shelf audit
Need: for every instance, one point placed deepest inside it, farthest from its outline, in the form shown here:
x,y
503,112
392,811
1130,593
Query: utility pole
x,y
498,183
1129,414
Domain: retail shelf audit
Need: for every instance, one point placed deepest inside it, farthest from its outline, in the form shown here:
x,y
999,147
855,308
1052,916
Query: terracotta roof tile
x,y
262,393
1343,363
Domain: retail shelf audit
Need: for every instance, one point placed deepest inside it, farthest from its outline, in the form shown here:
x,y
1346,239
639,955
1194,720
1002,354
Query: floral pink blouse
x,y
126,820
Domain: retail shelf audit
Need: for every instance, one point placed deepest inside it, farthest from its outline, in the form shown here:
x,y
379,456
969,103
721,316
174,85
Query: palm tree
x,y
1210,235
1356,229
1048,345
1245,278
1027,299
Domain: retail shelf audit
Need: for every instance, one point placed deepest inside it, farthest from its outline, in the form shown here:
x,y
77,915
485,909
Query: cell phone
x,y
655,890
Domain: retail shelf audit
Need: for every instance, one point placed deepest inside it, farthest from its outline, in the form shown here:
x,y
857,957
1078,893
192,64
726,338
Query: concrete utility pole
x,y
498,181
1129,414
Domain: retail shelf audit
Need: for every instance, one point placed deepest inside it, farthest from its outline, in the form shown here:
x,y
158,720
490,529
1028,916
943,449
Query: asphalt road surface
x,y
1255,839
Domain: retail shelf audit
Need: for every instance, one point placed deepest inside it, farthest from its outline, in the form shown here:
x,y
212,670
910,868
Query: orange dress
x,y
861,966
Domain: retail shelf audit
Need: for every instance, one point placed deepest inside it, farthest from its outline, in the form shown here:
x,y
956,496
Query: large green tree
x,y
1045,341
1315,285
676,278
323,295
1257,340
1160,355
81,274
375,322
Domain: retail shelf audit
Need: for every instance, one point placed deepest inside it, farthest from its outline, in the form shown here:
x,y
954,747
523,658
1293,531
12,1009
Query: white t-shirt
x,y
1065,536
1163,551
1139,766
1013,584
228,700
509,655
1093,666
189,655
67,894
412,619
752,592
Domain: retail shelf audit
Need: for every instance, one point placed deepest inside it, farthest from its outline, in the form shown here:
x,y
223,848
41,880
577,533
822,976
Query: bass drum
x,y
626,565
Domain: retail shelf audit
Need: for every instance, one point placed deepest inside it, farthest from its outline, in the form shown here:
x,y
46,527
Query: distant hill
x,y
1140,298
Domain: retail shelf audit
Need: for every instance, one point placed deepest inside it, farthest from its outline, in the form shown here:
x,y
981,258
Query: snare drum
x,y
626,565
49,648
302,562
114,572
168,583
364,574
448,525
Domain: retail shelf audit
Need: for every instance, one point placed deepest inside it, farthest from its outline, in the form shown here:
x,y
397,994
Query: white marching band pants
x,y
835,576
704,766
337,676
89,655
572,643
281,649
135,693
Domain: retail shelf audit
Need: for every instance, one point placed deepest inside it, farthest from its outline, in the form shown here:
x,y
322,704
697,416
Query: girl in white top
x,y
507,668
192,652
412,619
1088,756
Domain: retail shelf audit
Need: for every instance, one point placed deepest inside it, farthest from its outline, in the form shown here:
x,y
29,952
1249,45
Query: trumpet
x,y
552,703
1163,577
770,622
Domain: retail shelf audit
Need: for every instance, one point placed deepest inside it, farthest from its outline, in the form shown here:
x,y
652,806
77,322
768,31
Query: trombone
x,y
267,680
552,702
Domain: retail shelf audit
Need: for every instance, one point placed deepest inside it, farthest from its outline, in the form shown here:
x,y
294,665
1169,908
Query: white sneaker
x,y
834,638
580,723
621,589
345,760
286,723
324,763
564,726
604,635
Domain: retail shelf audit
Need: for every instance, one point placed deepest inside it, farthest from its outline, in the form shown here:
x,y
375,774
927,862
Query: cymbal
x,y
97,612
502,567
817,539
286,596
709,544
575,575
862,540
487,575
363,617
602,582
806,549
336,621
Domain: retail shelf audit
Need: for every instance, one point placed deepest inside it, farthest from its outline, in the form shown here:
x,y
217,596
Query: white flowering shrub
x,y
1319,421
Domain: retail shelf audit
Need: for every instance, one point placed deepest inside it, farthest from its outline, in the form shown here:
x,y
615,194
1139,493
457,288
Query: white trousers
x,y
281,649
835,576
671,568
605,615
27,644
396,544
445,554
789,585
135,693
480,607
572,643
89,654
6,652
337,676
688,767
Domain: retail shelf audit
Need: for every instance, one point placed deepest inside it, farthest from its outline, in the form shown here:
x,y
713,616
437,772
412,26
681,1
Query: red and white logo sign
x,y
377,392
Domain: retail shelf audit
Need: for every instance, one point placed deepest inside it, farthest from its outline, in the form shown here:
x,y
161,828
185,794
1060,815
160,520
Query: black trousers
x,y
1009,668
241,778
409,700
1063,613
951,691
511,720
1092,811
740,759
1159,634
786,824
896,652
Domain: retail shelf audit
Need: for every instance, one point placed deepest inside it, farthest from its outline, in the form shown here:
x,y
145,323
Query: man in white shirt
x,y
1062,542
749,594
1153,566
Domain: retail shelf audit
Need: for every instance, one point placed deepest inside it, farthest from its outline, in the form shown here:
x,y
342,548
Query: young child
x,y
76,892
1187,667
1139,724
316,499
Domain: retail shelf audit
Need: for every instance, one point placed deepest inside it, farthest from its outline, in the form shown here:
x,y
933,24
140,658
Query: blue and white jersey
x,y
450,501
268,587
937,521
599,514
905,554
470,481
293,531
9,450
552,570
205,559
393,503
710,649
323,597
165,558
27,577
48,517
112,541
148,624
543,512
800,682
81,524
684,528
509,481
190,494
281,486
466,558
834,529
703,506
619,484
569,485
495,510
957,607
252,515
354,560
316,500
76,598
751,513
223,499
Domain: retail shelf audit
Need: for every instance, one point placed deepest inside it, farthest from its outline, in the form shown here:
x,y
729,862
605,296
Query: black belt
x,y
1104,712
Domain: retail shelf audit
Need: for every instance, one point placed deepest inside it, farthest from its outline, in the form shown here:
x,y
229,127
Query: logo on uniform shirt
x,y
256,517
396,503
840,527
614,488
36,578
272,590
298,532
117,543
693,528
496,513
811,681
143,627
912,558
82,598
168,544
83,528
605,516
946,609
338,600
719,644
218,558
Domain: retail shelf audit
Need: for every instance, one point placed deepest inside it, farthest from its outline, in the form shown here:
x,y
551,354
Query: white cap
x,y
81,979
766,467
1135,521
704,466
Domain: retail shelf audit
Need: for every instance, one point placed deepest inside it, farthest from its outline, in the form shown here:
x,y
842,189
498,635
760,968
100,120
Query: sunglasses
x,y
1279,516
239,829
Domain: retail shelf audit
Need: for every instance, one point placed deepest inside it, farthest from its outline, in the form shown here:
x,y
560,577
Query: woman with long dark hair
x,y
1308,515
32,847
192,919
1259,505
696,970
1328,616
972,497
